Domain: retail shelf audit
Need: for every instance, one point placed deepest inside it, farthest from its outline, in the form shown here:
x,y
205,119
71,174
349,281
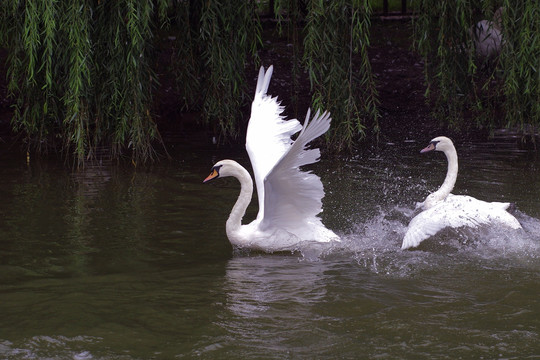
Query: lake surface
x,y
121,263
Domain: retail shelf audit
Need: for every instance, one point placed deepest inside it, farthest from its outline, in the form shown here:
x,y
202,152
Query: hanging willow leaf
x,y
81,72
337,32
229,31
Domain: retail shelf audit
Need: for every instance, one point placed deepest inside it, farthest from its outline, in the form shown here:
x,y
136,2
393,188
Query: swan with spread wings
x,y
289,198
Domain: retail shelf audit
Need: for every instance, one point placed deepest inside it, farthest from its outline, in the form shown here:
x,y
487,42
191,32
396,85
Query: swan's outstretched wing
x,y
293,197
455,212
268,135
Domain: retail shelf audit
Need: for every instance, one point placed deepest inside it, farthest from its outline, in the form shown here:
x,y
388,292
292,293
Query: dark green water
x,y
116,263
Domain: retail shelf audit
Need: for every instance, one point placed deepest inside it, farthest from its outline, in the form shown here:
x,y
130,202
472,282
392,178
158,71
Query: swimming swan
x,y
289,198
442,209
487,35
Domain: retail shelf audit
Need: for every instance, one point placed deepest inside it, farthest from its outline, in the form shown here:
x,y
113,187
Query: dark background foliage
x,y
83,75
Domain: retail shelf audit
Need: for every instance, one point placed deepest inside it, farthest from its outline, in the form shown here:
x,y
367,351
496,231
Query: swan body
x,y
289,198
487,39
487,35
442,209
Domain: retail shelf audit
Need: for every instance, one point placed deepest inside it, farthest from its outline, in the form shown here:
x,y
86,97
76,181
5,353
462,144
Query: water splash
x,y
375,244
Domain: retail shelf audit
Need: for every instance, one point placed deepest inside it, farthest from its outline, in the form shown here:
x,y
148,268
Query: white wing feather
x,y
268,135
293,197
457,211
289,198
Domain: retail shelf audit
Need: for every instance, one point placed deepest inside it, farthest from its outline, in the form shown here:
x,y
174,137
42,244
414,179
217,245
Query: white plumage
x,y
487,39
442,209
289,198
487,35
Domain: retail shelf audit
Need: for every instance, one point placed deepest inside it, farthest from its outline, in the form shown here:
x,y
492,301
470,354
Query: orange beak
x,y
214,174
430,147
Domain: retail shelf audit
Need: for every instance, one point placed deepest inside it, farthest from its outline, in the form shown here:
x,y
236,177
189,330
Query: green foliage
x,y
336,33
521,62
229,31
335,44
214,40
291,13
125,79
499,90
393,5
33,60
81,72
186,64
77,57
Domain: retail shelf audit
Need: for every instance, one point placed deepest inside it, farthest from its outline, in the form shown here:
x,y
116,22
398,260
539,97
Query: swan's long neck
x,y
451,174
449,182
234,222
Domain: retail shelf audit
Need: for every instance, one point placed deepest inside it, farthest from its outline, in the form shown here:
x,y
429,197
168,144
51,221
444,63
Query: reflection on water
x,y
116,263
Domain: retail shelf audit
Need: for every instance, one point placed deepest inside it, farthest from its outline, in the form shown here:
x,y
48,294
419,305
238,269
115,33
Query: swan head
x,y
440,143
223,168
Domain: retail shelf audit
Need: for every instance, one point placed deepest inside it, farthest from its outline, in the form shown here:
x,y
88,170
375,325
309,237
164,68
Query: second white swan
x,y
289,198
441,209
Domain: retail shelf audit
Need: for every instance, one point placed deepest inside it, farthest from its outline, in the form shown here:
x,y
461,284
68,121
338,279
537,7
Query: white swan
x,y
289,198
487,35
442,209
